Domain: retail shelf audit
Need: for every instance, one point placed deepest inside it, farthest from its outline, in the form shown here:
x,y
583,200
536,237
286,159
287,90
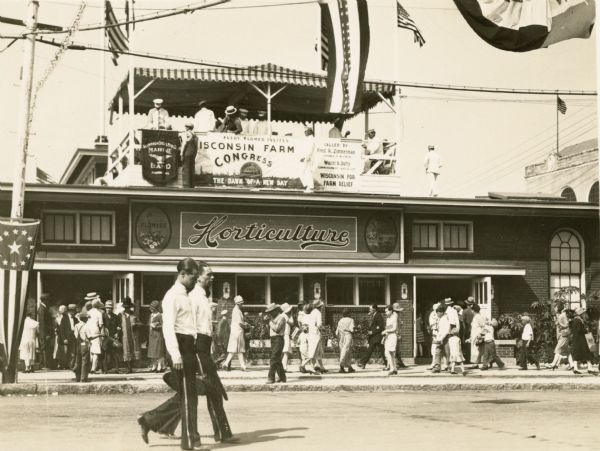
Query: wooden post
x,y
269,108
131,92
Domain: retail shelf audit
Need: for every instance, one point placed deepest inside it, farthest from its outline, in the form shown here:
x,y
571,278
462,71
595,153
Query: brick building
x,y
358,249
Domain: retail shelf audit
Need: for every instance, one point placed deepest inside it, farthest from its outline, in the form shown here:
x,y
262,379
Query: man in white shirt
x,y
244,120
179,331
204,120
260,127
527,352
372,146
441,337
158,117
433,164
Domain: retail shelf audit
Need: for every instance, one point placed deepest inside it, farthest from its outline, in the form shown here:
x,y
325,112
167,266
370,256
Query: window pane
x,y
555,253
49,228
95,228
416,236
456,237
371,290
565,267
433,234
69,228
575,268
285,289
85,228
340,290
59,228
555,267
463,242
106,227
564,253
252,289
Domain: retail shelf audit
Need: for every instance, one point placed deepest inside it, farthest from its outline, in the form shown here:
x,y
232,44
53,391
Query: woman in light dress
x,y
345,328
156,341
476,330
287,345
28,345
390,339
95,324
236,343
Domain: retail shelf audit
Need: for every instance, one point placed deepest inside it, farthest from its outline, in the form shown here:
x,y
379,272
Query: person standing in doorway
x,y
179,330
433,165
72,342
236,343
277,325
477,325
433,321
63,335
441,338
46,331
189,150
376,327
112,343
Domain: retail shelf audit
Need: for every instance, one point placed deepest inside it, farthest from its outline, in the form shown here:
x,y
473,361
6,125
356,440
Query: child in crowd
x,y
489,346
527,345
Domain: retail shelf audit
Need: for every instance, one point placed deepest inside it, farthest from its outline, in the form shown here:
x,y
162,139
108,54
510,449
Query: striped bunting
x,y
17,252
561,105
405,21
117,41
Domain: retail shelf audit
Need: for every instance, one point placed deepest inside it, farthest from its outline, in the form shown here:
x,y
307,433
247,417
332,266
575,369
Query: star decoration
x,y
1,238
14,248
24,232
23,263
6,233
29,238
14,265
31,247
15,231
5,262
28,255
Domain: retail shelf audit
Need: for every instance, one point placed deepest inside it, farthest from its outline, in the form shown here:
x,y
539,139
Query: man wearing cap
x,y
277,322
433,164
179,330
204,119
260,127
215,392
158,117
189,150
231,123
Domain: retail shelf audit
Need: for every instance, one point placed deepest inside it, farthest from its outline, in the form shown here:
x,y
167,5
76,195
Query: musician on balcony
x,y
158,117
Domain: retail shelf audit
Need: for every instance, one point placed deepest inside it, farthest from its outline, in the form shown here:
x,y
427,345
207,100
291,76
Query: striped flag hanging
x,y
17,252
117,41
561,105
405,21
345,25
520,26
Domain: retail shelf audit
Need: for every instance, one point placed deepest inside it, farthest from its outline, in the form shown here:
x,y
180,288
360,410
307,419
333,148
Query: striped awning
x,y
181,88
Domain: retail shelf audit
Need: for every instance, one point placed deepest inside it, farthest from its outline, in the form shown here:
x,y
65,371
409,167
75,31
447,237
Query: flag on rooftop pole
x,y
405,21
345,24
17,252
117,41
521,26
561,105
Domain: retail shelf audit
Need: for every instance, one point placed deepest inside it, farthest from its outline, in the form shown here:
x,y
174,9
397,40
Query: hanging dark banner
x,y
160,156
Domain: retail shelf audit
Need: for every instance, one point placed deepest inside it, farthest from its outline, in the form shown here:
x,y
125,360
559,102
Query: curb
x,y
128,388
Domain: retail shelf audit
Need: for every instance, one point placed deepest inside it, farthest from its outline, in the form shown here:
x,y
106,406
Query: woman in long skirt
x,y
236,343
579,346
562,337
345,328
156,341
28,345
390,339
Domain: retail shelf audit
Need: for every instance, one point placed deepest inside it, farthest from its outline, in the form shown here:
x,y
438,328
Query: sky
x,y
485,140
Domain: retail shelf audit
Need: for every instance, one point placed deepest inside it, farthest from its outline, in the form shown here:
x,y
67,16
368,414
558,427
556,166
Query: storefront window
x,y
285,289
96,228
340,290
155,286
566,264
371,290
59,228
252,288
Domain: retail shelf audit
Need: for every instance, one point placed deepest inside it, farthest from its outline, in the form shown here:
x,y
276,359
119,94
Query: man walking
x,y
376,327
179,330
433,164
276,332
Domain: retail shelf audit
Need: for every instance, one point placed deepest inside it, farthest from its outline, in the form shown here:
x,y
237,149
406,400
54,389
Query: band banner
x,y
159,156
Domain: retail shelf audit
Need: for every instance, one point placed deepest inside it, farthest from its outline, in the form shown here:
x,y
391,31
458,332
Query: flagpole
x,y
557,127
102,117
130,87
397,91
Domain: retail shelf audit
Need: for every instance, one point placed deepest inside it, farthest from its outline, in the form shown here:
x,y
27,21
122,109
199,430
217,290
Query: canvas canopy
x,y
301,99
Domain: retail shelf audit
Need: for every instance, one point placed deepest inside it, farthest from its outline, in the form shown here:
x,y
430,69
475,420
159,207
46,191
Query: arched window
x,y
594,196
568,194
566,264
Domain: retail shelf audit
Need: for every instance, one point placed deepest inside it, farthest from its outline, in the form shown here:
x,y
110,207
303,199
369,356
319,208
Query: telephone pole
x,y
9,373
18,194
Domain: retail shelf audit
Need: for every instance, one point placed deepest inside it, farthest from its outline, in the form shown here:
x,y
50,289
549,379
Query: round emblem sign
x,y
381,235
152,230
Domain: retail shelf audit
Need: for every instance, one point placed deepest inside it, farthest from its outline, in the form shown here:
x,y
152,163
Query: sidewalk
x,y
414,378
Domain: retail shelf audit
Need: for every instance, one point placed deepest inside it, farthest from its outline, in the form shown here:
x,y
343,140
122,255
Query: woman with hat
x,y
580,350
315,345
156,342
95,324
289,322
390,338
236,343
232,122
343,332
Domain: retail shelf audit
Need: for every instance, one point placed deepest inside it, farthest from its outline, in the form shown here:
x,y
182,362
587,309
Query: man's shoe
x,y
435,370
351,370
144,429
361,366
230,440
303,370
342,370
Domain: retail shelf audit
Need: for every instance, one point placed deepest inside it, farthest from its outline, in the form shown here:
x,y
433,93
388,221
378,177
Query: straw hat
x,y
448,301
91,296
71,307
272,308
155,305
396,307
109,304
286,307
223,312
189,126
157,101
238,300
230,110
470,300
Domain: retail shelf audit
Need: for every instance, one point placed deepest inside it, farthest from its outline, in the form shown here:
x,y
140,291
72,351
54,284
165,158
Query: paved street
x,y
317,421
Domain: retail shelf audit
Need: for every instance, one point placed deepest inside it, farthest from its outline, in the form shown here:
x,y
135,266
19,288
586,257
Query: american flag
x,y
117,41
17,252
405,21
561,105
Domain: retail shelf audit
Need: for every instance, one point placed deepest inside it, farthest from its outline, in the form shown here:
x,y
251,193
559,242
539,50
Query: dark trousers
x,y
161,419
490,356
276,367
82,363
46,352
527,354
373,344
187,171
